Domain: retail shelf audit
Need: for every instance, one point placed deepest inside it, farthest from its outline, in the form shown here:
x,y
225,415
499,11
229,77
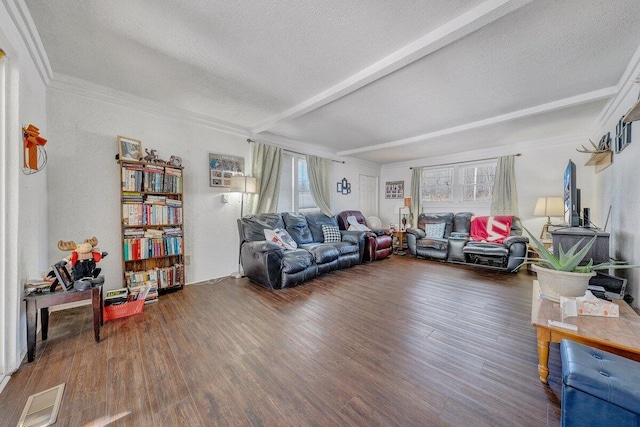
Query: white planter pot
x,y
555,284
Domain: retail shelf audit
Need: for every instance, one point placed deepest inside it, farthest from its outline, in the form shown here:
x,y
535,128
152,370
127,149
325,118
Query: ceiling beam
x,y
532,111
468,22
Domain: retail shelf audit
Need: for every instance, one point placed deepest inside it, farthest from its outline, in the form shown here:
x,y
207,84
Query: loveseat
x,y
378,243
269,264
449,237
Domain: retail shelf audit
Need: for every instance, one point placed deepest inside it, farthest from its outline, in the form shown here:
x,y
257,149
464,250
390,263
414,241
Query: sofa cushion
x,y
492,229
331,233
435,230
297,227
315,221
486,249
253,226
430,243
437,218
295,261
322,252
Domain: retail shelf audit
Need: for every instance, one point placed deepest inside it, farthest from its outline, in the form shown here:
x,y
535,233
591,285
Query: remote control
x,y
563,325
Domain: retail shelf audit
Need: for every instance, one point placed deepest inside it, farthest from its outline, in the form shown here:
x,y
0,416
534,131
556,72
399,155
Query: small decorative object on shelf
x,y
152,226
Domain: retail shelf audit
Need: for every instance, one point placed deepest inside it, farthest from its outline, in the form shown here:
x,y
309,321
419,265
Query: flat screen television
x,y
571,196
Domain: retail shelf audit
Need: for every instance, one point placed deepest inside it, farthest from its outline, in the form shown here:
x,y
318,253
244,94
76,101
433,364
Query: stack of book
x,y
116,297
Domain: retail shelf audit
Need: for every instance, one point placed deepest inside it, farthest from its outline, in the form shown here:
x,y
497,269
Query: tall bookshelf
x,y
152,226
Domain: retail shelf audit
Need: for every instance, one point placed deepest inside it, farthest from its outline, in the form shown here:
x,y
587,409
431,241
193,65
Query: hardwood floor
x,y
399,342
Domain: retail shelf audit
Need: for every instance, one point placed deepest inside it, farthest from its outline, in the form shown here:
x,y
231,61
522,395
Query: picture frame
x,y
339,187
63,276
222,167
129,148
623,135
394,190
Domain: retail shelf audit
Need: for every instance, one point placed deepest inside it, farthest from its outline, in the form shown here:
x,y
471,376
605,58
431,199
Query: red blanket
x,y
492,229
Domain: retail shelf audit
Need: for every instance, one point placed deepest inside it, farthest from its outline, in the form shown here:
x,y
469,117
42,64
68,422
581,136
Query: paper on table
x,y
588,305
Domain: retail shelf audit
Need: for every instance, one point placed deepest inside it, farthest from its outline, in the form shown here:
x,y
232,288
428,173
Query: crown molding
x,y
80,87
470,156
624,87
309,148
19,14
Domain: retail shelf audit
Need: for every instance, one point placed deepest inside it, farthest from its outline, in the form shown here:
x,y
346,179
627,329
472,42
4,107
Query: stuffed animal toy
x,y
83,258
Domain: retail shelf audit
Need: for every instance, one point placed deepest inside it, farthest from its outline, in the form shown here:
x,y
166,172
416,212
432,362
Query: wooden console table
x,y
619,335
44,301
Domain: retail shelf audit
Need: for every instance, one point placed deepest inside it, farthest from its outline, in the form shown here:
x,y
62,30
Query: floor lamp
x,y
244,185
402,225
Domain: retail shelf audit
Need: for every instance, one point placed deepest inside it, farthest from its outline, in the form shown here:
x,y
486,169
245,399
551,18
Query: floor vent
x,y
42,408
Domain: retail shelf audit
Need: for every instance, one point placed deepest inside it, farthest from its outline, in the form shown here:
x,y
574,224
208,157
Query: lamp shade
x,y
549,206
243,184
407,202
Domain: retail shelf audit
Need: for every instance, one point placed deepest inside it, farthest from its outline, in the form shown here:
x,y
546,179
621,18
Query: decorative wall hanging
x,y
343,186
129,148
35,156
394,190
623,135
222,168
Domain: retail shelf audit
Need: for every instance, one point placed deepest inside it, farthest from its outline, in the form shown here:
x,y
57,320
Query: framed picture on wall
x,y
222,167
623,135
394,190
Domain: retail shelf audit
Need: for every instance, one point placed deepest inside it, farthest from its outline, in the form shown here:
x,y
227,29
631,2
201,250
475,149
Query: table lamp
x,y
244,185
548,206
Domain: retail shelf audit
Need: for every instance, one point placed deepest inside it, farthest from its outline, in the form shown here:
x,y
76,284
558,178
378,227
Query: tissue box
x,y
598,308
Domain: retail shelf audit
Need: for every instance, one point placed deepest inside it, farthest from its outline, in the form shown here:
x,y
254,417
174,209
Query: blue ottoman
x,y
598,388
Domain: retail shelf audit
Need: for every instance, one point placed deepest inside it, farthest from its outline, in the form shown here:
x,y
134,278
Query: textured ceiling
x,y
385,80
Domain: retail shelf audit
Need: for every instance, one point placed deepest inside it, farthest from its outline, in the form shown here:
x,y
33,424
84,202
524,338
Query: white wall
x,y
25,220
350,170
539,173
617,187
84,180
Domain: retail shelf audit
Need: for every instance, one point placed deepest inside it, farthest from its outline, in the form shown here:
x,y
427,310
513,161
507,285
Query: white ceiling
x,y
381,80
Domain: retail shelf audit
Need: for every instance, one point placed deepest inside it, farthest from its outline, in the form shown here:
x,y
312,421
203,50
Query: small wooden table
x,y
44,301
619,335
399,247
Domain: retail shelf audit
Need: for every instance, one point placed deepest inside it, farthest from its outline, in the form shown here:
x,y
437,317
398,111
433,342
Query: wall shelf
x,y
633,114
600,160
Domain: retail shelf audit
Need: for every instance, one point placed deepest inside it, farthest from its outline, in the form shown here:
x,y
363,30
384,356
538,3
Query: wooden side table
x,y
399,242
44,301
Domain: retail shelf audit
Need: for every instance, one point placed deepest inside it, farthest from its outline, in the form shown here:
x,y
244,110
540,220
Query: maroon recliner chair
x,y
378,243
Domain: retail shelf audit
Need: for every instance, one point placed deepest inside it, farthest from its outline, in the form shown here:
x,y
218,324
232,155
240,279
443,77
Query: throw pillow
x,y
435,231
493,229
281,238
331,233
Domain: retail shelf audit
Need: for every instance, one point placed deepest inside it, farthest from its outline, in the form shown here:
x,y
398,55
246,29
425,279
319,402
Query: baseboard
x,y
4,382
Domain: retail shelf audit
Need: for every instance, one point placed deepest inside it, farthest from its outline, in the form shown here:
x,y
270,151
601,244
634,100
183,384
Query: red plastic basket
x,y
123,310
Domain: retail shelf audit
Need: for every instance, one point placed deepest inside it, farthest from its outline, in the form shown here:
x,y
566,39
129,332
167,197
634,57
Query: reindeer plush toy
x,y
84,257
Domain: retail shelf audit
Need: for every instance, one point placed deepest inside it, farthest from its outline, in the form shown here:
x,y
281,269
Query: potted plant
x,y
563,275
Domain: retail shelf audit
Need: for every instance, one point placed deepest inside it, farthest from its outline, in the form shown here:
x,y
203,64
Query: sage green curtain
x,y
504,200
416,195
267,163
319,171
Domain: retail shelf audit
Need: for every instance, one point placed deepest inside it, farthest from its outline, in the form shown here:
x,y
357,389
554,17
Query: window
x,y
295,194
471,183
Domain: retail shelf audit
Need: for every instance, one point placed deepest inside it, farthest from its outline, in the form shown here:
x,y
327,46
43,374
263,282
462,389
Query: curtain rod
x,y
249,140
468,161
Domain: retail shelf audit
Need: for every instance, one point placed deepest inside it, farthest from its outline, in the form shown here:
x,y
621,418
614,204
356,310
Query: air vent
x,y
42,408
